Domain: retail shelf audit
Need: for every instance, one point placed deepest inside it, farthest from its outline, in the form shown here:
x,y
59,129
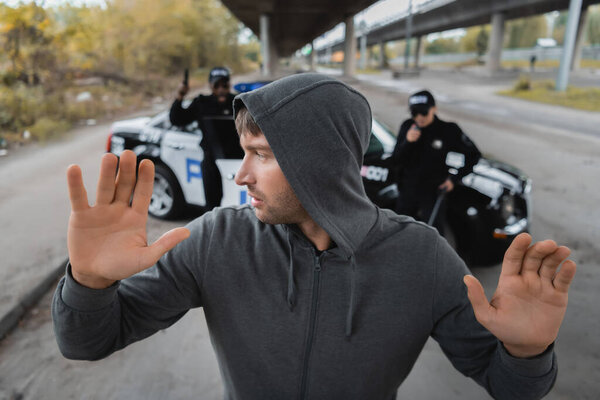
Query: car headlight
x,y
507,208
117,144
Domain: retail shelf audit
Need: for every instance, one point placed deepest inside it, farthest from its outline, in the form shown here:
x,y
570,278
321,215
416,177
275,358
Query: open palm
x,y
107,241
530,301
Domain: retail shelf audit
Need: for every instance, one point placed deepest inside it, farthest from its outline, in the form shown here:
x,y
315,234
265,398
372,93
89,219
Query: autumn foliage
x,y
121,52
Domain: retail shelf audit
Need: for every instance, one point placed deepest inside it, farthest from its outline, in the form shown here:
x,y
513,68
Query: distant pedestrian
x,y
532,61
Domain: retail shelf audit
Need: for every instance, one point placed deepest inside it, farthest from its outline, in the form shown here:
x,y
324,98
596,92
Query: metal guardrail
x,y
551,53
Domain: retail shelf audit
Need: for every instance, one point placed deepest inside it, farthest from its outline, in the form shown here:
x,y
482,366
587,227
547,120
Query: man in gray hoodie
x,y
312,292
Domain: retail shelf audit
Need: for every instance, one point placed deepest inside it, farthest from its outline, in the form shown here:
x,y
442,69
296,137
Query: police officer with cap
x,y
206,109
421,153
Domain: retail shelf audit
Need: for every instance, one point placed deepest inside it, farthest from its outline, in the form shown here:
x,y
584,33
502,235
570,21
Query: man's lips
x,y
255,201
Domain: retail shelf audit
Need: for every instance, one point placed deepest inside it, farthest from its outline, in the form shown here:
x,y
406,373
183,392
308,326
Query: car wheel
x,y
167,200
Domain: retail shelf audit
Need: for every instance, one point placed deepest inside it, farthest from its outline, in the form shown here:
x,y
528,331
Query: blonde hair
x,y
244,123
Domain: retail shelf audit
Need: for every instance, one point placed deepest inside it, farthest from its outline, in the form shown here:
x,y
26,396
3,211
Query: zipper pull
x,y
317,264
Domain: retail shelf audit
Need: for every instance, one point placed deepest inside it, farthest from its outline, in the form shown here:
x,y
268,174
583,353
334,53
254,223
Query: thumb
x,y
483,309
164,243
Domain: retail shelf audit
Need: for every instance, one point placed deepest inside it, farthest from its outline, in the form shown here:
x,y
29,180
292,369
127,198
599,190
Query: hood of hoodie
x,y
318,129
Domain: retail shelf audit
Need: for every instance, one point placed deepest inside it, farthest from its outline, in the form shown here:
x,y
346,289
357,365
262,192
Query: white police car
x,y
484,212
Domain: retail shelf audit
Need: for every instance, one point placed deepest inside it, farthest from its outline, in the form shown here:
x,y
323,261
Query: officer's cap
x,y
218,73
422,100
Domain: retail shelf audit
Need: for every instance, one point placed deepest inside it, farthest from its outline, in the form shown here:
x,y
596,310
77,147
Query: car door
x,y
221,132
232,193
181,152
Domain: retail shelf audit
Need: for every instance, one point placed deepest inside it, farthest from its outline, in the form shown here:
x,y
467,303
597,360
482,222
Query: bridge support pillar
x,y
576,63
383,62
313,57
419,50
363,52
566,59
265,45
495,42
349,48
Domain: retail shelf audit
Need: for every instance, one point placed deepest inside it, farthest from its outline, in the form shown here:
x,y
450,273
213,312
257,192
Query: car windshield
x,y
384,134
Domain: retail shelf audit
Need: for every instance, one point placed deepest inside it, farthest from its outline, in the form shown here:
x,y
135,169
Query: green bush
x,y
524,83
19,105
46,128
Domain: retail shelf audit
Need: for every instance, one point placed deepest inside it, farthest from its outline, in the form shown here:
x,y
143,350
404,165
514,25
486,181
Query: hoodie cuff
x,y
81,298
532,367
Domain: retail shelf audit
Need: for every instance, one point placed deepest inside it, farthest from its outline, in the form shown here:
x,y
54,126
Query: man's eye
x,y
260,156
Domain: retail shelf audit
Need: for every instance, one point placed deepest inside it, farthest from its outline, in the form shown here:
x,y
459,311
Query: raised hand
x,y
108,242
529,304
413,134
182,90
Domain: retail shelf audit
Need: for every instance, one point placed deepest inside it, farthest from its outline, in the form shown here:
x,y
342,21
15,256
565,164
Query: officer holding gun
x,y
424,142
219,104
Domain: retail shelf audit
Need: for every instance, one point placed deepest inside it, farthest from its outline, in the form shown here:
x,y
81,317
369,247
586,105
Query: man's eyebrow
x,y
261,147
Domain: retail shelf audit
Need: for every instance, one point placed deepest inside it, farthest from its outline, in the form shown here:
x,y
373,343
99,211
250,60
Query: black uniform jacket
x,y
215,119
423,162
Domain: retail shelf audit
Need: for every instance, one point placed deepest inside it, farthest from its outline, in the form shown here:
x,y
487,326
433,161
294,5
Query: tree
x,y
442,45
524,32
25,39
593,28
475,40
560,27
483,38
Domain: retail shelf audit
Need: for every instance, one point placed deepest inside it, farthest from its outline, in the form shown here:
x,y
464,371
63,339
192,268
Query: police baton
x,y
436,207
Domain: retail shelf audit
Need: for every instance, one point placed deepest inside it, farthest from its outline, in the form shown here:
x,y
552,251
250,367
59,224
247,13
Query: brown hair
x,y
244,123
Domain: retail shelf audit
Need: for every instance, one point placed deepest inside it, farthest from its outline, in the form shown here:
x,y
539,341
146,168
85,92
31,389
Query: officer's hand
x,y
531,299
413,134
182,90
447,186
107,242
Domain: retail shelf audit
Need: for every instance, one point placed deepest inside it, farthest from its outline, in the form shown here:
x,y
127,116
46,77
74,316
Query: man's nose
x,y
243,175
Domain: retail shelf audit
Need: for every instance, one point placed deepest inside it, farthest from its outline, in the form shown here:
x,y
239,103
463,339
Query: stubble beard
x,y
282,208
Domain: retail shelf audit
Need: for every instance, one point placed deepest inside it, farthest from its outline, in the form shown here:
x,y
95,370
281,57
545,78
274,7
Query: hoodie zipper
x,y
312,325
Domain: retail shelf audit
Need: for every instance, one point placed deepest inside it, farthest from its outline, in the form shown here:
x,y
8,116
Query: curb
x,y
11,319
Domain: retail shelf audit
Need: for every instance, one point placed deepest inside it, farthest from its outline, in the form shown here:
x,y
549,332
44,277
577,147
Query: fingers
x,y
163,244
125,177
565,276
536,254
482,308
551,263
543,259
143,188
105,191
77,193
513,258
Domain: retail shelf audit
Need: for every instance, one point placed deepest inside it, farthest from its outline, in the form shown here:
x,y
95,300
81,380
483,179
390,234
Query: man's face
x,y
424,120
220,89
273,199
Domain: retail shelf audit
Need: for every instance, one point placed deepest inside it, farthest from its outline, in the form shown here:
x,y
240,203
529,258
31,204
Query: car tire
x,y
167,199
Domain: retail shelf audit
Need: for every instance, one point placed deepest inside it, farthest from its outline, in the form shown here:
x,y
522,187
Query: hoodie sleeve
x,y
90,324
472,349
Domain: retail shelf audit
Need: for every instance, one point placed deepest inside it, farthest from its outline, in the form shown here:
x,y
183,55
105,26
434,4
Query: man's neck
x,y
317,235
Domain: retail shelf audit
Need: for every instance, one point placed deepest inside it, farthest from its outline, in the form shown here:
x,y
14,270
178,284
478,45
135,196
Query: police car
x,y
484,212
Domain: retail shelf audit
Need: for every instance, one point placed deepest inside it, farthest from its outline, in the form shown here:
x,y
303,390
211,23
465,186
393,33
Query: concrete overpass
x,y
443,15
284,26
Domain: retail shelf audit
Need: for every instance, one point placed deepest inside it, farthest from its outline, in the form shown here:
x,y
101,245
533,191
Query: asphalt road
x,y
179,363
